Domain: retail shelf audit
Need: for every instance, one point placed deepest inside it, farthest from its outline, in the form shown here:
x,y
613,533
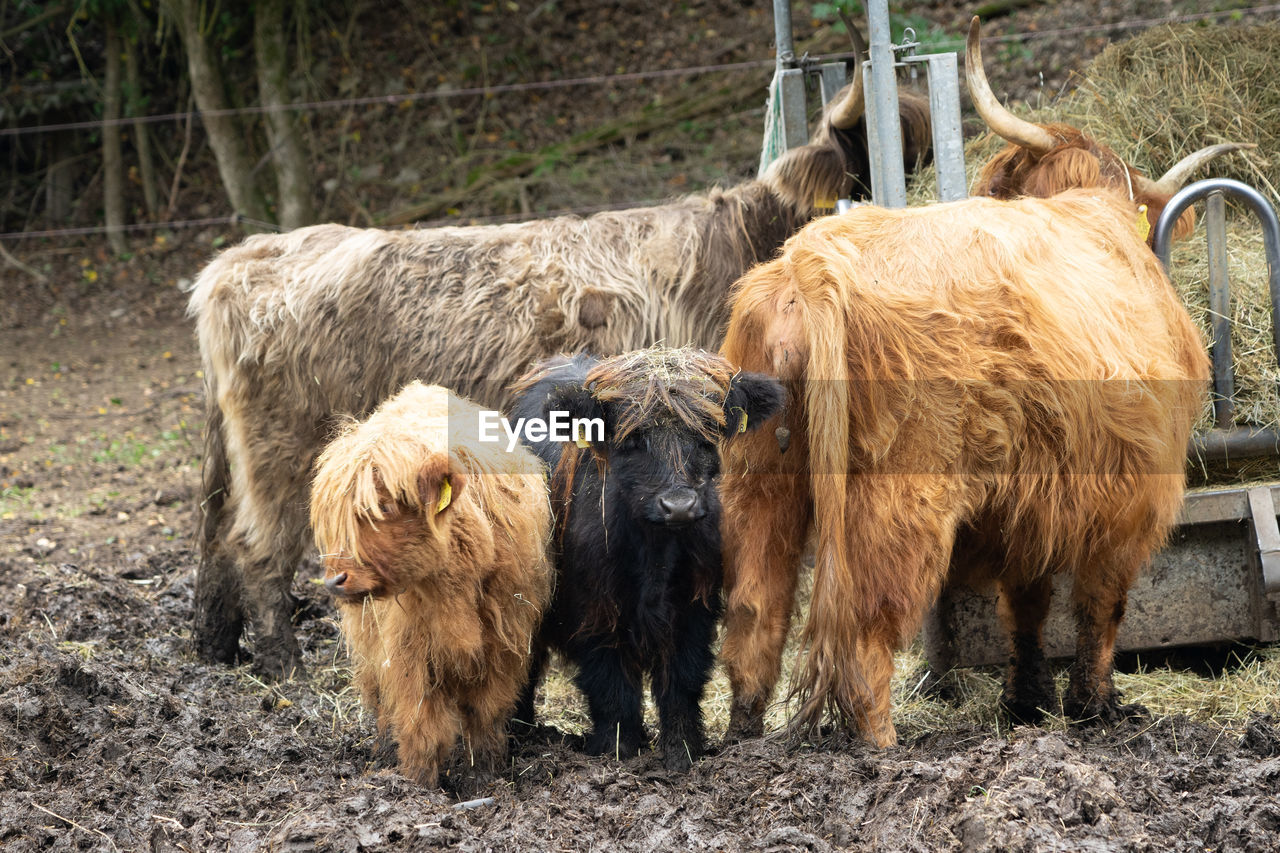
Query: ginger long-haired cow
x,y
296,327
1044,159
637,539
997,389
435,546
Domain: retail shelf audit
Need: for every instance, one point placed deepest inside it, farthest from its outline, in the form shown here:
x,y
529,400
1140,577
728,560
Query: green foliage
x,y
931,38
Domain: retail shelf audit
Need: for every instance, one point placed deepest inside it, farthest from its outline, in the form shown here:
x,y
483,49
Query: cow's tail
x,y
830,634
215,474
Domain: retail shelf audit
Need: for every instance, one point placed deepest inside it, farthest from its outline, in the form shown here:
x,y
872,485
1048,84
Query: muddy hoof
x,y
1105,713
679,757
1028,702
468,782
677,761
745,722
1021,712
607,743
223,649
278,666
215,637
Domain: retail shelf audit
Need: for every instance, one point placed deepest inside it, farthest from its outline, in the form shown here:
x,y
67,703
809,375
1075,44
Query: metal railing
x,y
1226,440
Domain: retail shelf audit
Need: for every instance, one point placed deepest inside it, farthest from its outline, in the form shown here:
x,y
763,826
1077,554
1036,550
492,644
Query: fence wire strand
x,y
233,219
598,79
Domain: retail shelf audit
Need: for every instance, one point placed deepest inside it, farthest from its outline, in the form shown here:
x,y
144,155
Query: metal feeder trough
x,y
1218,579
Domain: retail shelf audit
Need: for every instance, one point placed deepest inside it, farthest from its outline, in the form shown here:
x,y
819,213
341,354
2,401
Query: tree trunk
x,y
112,159
61,179
283,133
225,136
141,137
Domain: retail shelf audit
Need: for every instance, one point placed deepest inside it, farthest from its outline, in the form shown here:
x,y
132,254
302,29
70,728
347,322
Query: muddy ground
x,y
113,736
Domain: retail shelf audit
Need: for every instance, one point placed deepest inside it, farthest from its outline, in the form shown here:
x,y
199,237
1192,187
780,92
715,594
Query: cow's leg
x,y
219,614
269,543
425,732
1099,599
876,646
267,587
1028,690
678,687
484,726
765,527
270,458
613,697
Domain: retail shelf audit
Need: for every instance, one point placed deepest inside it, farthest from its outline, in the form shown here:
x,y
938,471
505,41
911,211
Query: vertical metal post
x,y
888,183
795,124
832,80
944,115
1215,224
782,33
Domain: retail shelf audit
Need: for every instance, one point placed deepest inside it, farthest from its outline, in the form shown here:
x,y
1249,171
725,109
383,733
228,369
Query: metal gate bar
x,y
1226,441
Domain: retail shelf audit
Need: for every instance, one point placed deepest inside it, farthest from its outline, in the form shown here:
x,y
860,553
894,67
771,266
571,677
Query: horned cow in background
x,y
435,546
988,389
1044,159
637,539
295,329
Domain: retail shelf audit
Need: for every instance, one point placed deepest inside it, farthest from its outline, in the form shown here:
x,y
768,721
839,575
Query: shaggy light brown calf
x,y
999,390
435,546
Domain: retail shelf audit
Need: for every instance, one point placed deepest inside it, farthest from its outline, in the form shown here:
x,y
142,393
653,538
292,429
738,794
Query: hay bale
x,y
1174,89
1154,99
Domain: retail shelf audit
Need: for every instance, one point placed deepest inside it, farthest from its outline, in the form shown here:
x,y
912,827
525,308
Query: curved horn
x,y
1024,134
848,111
1171,181
855,36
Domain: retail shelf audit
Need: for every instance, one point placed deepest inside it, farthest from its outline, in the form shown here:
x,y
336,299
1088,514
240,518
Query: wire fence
x,y
445,93
233,219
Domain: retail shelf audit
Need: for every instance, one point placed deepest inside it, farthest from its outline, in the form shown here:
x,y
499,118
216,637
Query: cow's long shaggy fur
x,y
1000,390
296,327
436,546
637,533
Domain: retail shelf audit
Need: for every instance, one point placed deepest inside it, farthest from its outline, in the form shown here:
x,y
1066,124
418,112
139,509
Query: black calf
x,y
637,533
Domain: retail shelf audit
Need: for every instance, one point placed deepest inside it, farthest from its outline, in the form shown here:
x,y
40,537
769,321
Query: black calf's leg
x,y
613,697
522,721
678,686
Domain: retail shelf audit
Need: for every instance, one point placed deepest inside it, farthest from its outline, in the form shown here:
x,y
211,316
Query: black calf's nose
x,y
679,508
334,583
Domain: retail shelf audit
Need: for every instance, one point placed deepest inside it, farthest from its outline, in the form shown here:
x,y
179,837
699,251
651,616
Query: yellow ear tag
x,y
446,494
742,421
582,442
824,203
1144,226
